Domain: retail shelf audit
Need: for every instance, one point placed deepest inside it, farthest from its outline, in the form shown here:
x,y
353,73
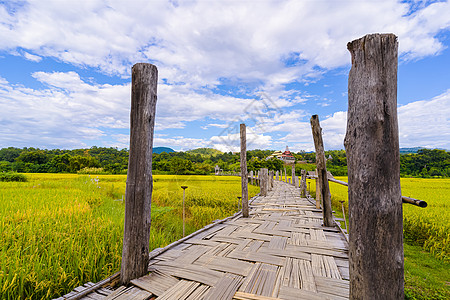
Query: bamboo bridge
x,y
281,251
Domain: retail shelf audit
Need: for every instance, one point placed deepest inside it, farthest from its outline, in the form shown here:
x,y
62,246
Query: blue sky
x,y
65,70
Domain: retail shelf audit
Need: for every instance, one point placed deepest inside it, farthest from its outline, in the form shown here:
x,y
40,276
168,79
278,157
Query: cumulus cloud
x,y
68,113
426,123
253,48
200,42
32,57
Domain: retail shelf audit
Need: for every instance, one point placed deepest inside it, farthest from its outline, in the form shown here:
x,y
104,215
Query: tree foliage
x,y
424,163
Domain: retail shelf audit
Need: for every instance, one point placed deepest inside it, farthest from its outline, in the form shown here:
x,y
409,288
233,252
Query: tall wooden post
x,y
303,184
371,142
136,237
264,183
251,177
277,175
322,172
244,179
285,175
318,196
293,174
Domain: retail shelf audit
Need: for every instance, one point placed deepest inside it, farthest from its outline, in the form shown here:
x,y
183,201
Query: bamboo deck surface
x,y
280,252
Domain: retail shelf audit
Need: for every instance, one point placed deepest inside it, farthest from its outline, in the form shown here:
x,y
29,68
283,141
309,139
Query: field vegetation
x,y
426,234
424,163
62,230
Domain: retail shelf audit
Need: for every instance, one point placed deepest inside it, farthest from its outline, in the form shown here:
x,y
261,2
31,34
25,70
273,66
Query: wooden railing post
x,y
270,180
244,179
318,196
303,184
251,177
276,175
264,184
372,146
322,172
139,186
293,174
285,175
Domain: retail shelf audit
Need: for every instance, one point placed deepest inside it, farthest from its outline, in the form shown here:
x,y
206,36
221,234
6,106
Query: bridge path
x,y
281,252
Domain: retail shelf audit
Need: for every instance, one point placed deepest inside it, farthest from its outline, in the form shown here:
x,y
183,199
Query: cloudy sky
x,y
65,70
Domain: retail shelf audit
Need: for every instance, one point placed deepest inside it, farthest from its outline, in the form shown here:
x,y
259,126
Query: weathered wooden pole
x,y
303,184
318,196
244,179
285,175
139,186
276,175
372,146
322,172
293,174
264,182
270,180
184,209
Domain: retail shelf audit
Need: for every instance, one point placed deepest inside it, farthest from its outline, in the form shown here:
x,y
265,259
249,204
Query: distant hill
x,y
159,150
410,150
206,152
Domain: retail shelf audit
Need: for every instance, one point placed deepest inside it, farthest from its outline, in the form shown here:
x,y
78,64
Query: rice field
x,y
62,230
427,227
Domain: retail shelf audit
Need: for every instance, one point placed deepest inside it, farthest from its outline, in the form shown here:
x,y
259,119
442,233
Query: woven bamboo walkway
x,y
280,252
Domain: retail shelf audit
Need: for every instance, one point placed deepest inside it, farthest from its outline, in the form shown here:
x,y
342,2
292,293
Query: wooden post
x,y
372,146
251,177
264,184
244,180
285,175
303,184
276,175
318,196
184,210
139,184
293,174
322,172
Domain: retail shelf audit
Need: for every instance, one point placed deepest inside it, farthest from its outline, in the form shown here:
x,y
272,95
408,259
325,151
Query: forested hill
x,y
100,160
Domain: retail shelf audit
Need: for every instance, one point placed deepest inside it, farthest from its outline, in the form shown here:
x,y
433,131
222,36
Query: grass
x,y
426,277
62,230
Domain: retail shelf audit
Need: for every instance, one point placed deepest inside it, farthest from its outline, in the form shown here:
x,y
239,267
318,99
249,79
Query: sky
x,y
65,70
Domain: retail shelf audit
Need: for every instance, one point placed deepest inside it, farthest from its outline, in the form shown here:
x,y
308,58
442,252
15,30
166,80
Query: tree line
x,y
101,160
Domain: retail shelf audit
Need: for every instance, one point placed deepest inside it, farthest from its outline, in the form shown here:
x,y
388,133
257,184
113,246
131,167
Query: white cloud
x,y
426,123
231,141
32,57
67,114
199,42
198,45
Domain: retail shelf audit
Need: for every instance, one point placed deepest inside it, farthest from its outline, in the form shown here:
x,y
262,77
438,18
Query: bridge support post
x,y
264,182
138,195
293,174
244,176
371,142
270,181
322,172
303,184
